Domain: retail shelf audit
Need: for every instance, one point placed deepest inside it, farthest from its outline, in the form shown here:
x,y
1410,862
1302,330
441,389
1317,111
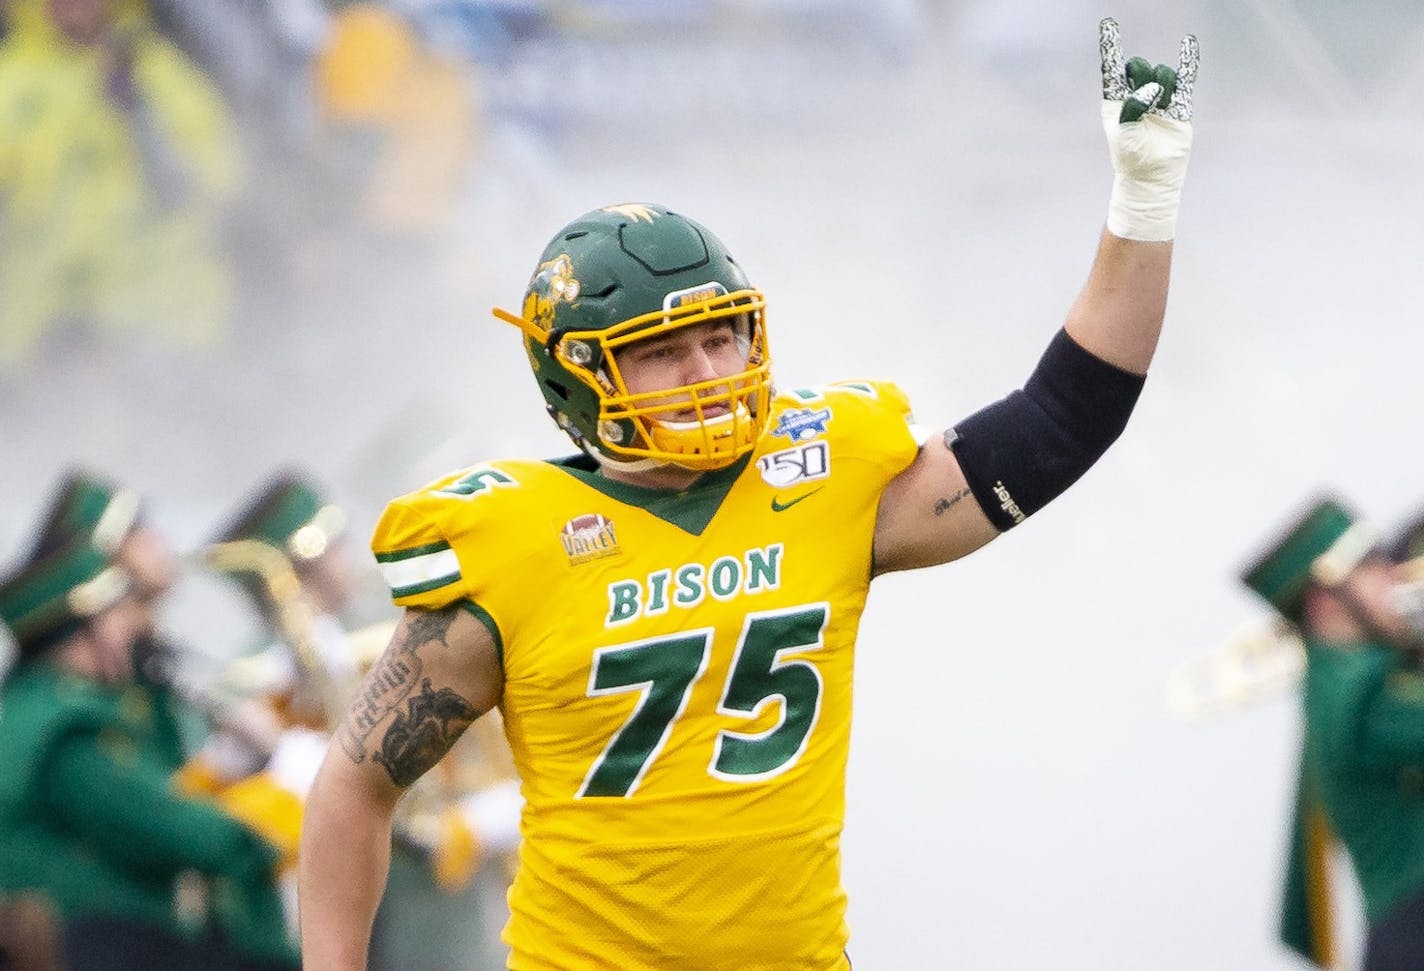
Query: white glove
x,y
296,759
1147,115
493,814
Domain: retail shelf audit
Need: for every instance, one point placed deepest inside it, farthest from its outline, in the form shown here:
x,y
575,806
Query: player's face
x,y
689,355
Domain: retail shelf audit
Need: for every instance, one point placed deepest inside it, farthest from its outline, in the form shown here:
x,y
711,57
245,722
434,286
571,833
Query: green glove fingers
x,y
1142,76
1140,102
1139,72
1166,77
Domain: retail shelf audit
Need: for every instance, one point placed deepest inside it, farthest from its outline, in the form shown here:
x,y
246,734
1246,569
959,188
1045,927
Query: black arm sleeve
x,y
1023,451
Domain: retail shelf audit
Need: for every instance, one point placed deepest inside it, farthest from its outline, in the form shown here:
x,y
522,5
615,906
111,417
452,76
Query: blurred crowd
x,y
158,160
191,174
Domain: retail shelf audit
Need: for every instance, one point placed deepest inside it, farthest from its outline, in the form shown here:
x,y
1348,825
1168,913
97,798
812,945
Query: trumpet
x,y
1260,661
1266,659
292,615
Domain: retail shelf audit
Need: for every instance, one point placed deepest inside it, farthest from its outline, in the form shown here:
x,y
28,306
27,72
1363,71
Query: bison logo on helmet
x,y
553,281
635,211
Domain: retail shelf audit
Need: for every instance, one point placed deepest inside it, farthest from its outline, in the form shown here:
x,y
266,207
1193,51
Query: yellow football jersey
x,y
677,682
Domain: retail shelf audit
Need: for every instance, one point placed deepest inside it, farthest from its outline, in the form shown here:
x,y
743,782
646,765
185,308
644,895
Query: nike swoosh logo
x,y
777,506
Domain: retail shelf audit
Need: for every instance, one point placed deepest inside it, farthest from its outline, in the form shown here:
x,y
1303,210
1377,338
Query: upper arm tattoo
x,y
422,721
944,503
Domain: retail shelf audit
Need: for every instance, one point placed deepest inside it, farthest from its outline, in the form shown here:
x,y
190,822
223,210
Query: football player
x,y
667,620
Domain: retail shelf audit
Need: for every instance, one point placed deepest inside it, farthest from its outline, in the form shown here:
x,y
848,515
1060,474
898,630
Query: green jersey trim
x,y
690,509
396,556
420,572
483,616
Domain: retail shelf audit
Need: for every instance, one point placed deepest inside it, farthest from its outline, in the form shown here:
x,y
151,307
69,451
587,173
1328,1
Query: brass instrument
x,y
1265,659
1260,661
292,615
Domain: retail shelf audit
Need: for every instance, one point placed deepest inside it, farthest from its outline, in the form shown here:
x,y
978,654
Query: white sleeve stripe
x,y
422,570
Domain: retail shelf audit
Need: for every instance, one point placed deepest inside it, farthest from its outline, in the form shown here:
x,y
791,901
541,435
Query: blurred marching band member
x,y
138,874
1357,604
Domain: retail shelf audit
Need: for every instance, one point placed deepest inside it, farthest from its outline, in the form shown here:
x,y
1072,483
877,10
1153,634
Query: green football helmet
x,y
622,274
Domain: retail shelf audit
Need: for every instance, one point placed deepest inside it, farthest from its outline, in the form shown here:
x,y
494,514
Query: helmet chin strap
x,y
635,465
648,464
631,465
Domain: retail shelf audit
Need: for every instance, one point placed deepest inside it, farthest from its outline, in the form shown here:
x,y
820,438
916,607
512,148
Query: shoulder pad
x,y
415,538
869,419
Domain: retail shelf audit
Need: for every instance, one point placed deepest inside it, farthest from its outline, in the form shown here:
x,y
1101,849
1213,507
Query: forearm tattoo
x,y
421,722
944,503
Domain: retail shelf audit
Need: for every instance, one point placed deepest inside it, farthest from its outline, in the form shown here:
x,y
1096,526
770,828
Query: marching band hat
x,y
1322,545
49,597
89,507
289,513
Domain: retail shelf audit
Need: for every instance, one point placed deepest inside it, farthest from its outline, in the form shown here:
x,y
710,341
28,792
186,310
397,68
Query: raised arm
x,y
1003,463
1147,118
440,672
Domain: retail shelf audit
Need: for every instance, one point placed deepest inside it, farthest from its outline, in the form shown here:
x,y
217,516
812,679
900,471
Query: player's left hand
x,y
1147,116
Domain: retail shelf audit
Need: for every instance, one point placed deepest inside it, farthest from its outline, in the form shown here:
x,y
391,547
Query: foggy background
x,y
918,187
